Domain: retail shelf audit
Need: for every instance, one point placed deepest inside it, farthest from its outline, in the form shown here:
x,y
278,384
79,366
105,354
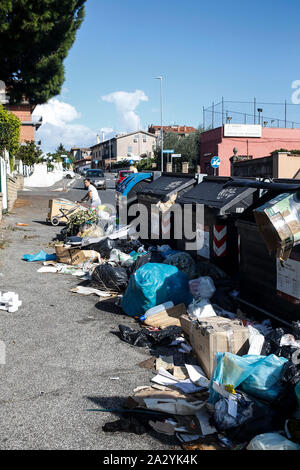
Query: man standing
x,y
92,195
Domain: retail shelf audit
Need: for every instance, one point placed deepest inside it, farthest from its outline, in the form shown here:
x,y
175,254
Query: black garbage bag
x,y
140,261
223,298
265,419
127,246
291,370
103,247
109,277
272,342
146,338
296,329
74,240
156,256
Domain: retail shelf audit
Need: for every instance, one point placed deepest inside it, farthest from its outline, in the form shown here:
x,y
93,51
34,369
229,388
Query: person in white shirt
x,y
92,194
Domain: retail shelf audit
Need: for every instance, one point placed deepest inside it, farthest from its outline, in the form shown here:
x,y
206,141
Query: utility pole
x,y
161,123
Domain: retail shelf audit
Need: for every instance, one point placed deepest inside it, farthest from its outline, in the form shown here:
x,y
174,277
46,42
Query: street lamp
x,y
259,110
161,123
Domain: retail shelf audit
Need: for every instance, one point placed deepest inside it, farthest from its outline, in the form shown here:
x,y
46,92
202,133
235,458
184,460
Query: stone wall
x,y
12,191
1,208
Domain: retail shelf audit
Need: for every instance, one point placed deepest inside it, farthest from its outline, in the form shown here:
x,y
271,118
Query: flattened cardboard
x,y
279,223
167,317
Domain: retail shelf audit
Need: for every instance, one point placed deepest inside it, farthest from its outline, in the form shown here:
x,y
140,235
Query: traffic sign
x,y
176,155
168,151
215,162
131,162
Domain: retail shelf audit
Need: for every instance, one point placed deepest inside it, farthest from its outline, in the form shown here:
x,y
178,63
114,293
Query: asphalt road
x,y
62,357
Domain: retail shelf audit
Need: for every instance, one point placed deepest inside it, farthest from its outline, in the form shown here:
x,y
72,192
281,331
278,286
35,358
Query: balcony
x,y
36,121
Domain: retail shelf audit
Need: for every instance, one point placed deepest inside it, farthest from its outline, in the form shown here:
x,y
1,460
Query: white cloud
x,y
58,126
126,104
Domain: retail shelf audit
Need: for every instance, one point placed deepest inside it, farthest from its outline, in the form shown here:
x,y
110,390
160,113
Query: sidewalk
x,y
60,352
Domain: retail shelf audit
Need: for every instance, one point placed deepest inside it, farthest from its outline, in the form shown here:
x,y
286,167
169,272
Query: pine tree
x,y
35,38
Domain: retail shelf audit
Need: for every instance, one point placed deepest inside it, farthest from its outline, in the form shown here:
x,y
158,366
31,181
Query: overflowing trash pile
x,y
220,380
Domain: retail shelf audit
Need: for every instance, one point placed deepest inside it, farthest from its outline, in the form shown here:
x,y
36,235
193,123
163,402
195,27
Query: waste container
x,y
157,202
267,284
209,213
126,193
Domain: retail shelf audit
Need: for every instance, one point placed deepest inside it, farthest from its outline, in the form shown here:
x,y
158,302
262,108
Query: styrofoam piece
x,y
10,302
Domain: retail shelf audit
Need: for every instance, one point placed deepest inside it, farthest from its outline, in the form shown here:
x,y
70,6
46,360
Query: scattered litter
x,y
89,291
272,441
10,302
41,256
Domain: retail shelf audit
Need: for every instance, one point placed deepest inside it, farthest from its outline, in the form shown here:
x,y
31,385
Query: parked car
x,y
97,178
123,174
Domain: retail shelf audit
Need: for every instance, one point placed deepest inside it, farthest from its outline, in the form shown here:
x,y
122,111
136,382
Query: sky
x,y
203,50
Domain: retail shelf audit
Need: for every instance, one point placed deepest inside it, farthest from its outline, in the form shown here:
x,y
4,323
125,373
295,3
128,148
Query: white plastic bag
x,y
202,287
272,441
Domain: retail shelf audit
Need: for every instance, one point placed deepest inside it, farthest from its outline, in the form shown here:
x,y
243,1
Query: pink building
x,y
248,139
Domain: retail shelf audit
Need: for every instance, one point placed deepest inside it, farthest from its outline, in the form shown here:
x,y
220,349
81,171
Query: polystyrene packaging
x,y
272,441
158,309
200,309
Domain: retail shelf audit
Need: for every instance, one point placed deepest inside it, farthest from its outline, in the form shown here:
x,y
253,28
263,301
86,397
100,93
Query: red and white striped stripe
x,y
220,240
166,223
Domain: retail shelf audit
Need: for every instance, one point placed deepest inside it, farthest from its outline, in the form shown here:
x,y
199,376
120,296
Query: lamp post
x,y
259,110
161,123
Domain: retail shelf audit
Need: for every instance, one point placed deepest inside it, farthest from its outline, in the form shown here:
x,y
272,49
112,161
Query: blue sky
x,y
203,50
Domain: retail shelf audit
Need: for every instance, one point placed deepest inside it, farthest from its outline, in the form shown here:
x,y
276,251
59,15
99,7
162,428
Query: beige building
x,y
277,165
133,146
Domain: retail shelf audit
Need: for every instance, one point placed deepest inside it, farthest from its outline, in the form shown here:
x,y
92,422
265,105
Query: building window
x,y
144,139
129,149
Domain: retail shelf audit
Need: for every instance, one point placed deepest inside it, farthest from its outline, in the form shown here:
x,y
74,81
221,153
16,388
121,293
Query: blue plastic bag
x,y
153,284
41,256
258,376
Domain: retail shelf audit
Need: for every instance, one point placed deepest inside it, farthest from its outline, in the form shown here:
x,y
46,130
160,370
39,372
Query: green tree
x,y
10,127
29,153
57,156
35,38
188,147
145,164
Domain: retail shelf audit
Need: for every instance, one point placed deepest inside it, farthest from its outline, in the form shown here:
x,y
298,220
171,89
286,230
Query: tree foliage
x,y
145,164
35,38
56,157
29,153
10,127
188,147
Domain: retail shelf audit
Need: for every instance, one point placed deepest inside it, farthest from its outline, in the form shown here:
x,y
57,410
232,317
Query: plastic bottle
x,y
157,309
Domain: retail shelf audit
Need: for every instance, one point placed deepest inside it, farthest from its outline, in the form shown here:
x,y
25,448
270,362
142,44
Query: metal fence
x,y
249,112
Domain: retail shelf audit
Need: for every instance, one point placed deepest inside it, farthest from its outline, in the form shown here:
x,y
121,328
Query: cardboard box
x,y
75,256
167,317
212,335
279,223
56,204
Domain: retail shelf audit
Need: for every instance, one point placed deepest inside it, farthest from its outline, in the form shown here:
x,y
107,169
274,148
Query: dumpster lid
x,y
285,185
128,183
213,193
168,184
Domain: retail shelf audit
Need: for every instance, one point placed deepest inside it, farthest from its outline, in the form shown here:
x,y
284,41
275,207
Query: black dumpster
x,y
210,210
266,284
159,221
